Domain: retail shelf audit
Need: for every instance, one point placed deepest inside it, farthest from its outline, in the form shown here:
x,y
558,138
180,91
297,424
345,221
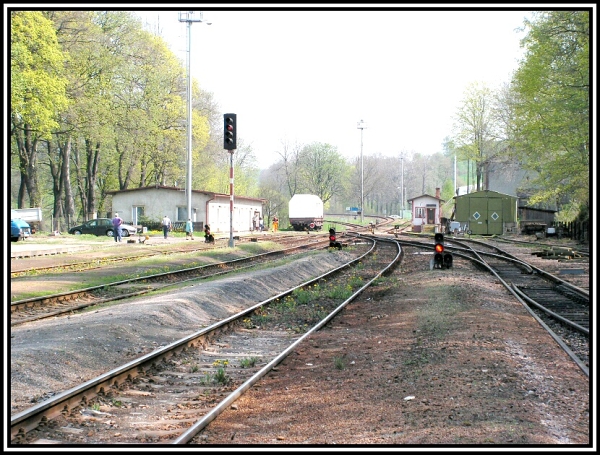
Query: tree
x,y
290,166
552,109
37,93
121,121
321,170
475,129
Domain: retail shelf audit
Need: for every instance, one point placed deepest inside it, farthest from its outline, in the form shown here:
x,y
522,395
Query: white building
x,y
214,209
426,210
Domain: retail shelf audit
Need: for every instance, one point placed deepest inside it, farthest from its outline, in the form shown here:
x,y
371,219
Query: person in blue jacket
x,y
189,229
117,221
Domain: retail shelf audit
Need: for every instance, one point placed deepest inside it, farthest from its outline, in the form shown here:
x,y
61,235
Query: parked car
x,y
454,227
102,226
19,229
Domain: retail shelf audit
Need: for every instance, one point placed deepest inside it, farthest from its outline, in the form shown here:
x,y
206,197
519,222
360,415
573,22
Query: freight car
x,y
306,212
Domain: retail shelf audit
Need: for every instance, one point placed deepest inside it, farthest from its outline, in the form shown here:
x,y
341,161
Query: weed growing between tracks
x,y
305,307
219,377
339,362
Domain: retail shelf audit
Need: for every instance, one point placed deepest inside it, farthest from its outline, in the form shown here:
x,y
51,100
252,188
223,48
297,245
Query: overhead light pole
x,y
189,17
361,126
402,188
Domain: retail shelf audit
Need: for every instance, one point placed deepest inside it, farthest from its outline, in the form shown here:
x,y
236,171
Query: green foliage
x,y
207,379
248,362
339,363
304,295
552,115
122,118
37,84
259,320
115,122
340,292
320,166
221,377
475,129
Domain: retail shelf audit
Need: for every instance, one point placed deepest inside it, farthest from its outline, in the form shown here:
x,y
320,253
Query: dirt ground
x,y
427,358
439,358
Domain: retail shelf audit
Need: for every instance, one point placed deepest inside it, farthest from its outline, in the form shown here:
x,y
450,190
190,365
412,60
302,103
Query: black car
x,y
102,226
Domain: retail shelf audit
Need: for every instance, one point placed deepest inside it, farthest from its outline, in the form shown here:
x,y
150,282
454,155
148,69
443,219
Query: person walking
x,y
189,229
166,225
261,224
255,222
117,221
275,223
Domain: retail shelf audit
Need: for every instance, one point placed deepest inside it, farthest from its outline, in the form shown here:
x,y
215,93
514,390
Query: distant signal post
x,y
229,143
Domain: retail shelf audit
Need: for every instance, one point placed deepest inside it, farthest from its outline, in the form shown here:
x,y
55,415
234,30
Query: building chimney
x,y
437,193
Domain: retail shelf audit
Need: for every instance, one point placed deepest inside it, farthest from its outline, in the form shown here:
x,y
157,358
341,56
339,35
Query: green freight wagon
x,y
486,213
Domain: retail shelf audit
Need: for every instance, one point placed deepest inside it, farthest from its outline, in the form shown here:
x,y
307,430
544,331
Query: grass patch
x,y
306,306
221,377
248,362
339,362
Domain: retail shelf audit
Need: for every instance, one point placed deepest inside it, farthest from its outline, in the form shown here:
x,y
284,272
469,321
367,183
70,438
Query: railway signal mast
x,y
229,143
333,243
441,258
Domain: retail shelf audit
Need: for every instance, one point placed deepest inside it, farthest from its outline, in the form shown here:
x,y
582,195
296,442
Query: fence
x,y
576,230
176,226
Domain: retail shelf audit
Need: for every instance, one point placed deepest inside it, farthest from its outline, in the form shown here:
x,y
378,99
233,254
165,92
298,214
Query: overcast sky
x,y
304,76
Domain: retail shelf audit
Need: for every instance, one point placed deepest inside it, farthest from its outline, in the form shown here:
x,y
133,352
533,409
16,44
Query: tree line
x,y
98,104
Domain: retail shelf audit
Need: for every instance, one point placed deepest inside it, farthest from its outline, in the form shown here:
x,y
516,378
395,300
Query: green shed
x,y
486,212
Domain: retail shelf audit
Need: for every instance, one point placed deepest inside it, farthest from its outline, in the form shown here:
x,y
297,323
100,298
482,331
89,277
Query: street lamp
x,y
189,17
402,188
361,126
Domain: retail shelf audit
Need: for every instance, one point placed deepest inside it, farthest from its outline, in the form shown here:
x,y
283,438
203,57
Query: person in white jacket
x,y
166,225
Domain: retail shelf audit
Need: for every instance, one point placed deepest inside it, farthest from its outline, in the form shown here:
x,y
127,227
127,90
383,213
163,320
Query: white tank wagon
x,y
306,212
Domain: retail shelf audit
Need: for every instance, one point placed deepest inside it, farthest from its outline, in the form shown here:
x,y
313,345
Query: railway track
x,y
170,394
96,260
31,309
559,306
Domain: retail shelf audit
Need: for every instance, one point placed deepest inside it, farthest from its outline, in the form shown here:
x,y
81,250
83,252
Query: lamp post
x,y
361,126
189,17
402,188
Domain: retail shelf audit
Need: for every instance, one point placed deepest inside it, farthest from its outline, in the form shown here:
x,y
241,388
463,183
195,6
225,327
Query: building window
x,y
419,212
138,212
182,214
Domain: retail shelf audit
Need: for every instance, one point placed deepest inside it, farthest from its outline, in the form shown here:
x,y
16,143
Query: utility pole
x,y
402,188
361,126
189,17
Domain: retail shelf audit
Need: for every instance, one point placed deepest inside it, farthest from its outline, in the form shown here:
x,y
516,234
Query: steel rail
x,y
25,421
37,300
517,293
210,416
551,313
556,338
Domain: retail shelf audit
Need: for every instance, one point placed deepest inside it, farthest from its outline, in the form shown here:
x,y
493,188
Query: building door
x,y
430,215
478,215
494,216
138,212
